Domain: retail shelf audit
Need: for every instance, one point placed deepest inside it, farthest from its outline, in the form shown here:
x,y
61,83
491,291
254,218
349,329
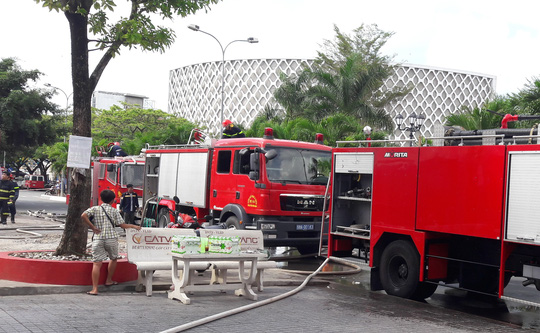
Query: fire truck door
x,y
244,186
223,182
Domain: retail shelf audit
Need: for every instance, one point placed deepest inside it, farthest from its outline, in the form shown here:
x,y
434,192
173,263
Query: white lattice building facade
x,y
195,91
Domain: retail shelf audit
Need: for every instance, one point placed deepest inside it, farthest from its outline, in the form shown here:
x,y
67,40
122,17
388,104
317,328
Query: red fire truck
x,y
115,173
273,185
461,214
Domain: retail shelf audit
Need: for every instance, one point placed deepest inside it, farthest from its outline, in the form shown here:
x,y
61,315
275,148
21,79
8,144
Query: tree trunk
x,y
75,233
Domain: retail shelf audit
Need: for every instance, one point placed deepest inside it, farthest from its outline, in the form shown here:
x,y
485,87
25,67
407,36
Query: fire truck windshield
x,y
291,165
132,174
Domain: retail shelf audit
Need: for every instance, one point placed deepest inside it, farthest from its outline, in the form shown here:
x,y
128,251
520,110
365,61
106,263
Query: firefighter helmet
x,y
226,123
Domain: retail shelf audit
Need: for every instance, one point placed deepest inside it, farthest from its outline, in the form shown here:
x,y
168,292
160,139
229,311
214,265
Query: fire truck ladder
x,y
367,143
196,138
324,216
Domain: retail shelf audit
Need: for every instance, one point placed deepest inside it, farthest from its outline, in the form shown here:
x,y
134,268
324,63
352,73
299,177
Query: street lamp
x,y
67,102
415,123
65,123
250,40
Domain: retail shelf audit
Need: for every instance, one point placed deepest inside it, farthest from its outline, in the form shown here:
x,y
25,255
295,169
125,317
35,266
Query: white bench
x,y
150,250
250,240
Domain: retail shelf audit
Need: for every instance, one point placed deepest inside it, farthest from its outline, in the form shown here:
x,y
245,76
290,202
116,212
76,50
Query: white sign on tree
x,y
79,152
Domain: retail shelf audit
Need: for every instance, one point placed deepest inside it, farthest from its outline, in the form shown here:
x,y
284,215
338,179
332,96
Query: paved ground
x,y
336,303
331,308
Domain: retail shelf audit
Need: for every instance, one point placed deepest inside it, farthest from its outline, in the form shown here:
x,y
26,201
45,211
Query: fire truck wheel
x,y
424,290
163,218
308,249
400,269
232,222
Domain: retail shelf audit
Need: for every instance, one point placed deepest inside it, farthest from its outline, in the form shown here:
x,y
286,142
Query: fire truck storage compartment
x,y
523,197
460,190
352,184
151,176
179,174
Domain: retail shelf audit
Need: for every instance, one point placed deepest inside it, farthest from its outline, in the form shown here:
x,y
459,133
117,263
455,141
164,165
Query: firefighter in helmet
x,y
230,131
115,149
12,208
6,196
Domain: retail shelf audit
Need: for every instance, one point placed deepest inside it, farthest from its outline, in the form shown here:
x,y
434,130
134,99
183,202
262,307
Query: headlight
x,y
268,226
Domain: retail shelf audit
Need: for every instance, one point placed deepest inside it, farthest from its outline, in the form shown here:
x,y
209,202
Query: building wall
x,y
195,91
104,99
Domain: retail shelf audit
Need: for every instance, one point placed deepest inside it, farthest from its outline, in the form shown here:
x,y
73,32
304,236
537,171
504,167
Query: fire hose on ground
x,y
266,301
28,230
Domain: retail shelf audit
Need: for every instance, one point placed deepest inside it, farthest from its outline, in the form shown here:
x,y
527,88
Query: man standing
x,y
230,131
105,240
6,196
129,204
12,208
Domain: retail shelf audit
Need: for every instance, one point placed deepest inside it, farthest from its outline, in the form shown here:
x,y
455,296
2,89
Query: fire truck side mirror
x,y
270,155
254,175
254,162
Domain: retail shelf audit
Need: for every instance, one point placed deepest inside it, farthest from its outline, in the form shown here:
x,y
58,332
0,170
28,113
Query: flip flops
x,y
111,284
91,294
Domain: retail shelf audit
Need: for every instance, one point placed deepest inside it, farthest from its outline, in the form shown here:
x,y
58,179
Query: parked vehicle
x,y
34,181
461,214
115,173
273,185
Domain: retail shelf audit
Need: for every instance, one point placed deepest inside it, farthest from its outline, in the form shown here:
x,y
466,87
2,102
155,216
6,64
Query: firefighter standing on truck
x,y
6,196
230,131
115,150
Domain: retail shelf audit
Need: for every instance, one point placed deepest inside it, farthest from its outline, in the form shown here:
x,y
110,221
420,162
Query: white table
x,y
185,283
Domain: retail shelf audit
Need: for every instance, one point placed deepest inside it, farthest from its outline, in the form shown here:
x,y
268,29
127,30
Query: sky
x,y
497,38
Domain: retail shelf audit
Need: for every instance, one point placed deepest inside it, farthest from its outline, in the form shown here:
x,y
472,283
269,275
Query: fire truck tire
x,y
232,222
308,249
424,290
400,269
163,218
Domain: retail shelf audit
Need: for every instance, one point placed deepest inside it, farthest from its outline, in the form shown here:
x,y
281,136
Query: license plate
x,y
304,227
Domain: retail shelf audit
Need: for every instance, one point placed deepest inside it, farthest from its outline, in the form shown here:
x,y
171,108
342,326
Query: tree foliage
x,y
478,118
338,127
138,127
348,77
134,30
527,100
26,113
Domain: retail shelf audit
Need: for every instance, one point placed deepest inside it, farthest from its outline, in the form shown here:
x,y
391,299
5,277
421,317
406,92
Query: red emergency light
x,y
319,138
268,133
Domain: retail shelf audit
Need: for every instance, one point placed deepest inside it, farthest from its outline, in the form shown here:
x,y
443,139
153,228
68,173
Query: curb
x,y
22,289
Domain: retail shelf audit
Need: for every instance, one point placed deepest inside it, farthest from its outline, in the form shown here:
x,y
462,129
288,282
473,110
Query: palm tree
x,y
354,90
347,78
477,118
527,100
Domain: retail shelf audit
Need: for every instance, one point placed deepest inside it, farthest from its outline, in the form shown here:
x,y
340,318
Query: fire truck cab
x,y
461,214
273,185
115,173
